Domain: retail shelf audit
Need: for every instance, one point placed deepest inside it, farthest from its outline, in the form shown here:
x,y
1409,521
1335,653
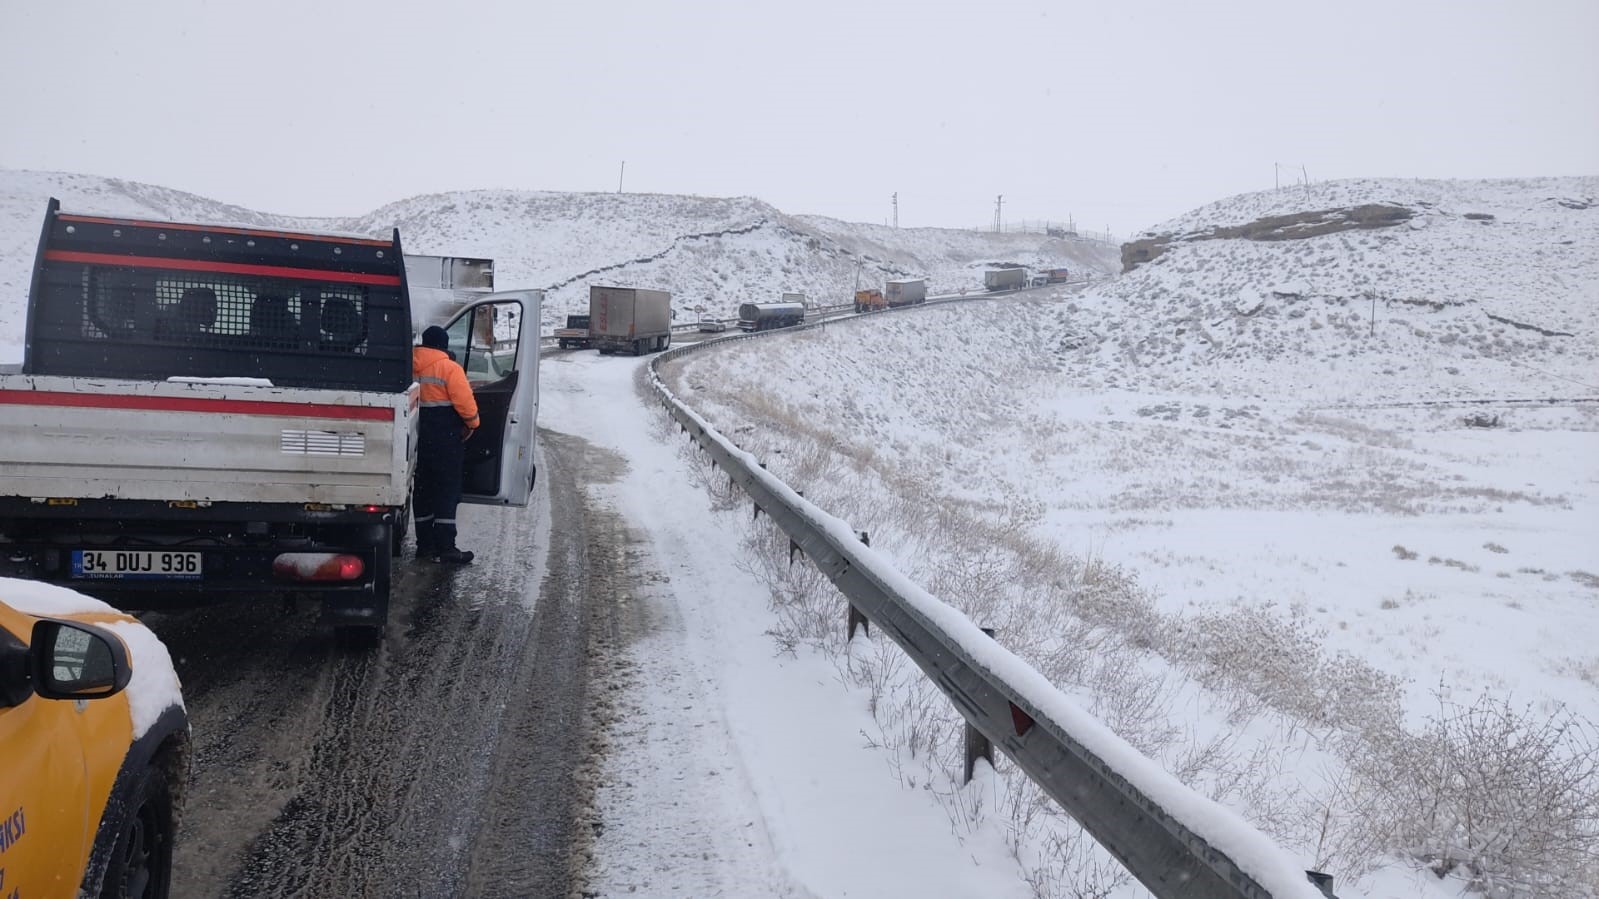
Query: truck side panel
x,y
652,312
135,440
1005,278
904,293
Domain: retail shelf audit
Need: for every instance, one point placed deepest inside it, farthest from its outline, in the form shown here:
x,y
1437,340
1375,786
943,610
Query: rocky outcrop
x,y
1294,226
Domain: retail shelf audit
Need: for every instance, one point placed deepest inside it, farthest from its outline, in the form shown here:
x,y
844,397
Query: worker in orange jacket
x,y
447,420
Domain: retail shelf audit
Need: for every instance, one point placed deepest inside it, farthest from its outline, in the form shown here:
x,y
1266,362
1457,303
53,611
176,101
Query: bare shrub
x,y
1403,553
1501,796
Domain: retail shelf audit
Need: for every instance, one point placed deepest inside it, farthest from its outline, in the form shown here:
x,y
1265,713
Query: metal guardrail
x,y
1199,853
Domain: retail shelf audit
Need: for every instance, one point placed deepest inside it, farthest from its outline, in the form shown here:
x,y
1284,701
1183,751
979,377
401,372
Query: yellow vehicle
x,y
94,739
870,300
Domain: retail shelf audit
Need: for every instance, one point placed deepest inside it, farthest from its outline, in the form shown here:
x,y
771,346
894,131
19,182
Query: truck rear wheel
x,y
402,524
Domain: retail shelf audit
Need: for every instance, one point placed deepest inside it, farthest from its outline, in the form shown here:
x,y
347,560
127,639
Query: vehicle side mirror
x,y
69,660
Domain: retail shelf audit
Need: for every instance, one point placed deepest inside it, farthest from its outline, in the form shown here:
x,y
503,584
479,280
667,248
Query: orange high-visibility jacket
x,y
443,383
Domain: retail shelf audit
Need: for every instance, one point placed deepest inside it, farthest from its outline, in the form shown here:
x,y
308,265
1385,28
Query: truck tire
x,y
638,347
402,526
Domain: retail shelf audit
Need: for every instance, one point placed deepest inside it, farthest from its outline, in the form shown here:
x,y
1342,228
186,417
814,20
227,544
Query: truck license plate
x,y
131,563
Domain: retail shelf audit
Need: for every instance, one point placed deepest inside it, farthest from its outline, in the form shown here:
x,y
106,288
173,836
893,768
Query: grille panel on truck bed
x,y
153,300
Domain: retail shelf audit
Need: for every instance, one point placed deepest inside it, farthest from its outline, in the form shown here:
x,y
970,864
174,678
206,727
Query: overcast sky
x,y
1117,114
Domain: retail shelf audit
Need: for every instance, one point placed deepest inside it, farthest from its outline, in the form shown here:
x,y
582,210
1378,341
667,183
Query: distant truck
x,y
905,293
789,297
766,316
1005,279
576,333
440,286
870,300
1057,275
630,319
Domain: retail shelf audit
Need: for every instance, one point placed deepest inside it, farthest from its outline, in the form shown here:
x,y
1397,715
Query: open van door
x,y
496,340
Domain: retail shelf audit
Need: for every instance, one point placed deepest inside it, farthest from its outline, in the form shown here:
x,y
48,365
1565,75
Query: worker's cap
x,y
435,337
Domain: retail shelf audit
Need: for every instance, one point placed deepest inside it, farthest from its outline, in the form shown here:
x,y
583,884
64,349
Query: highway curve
x,y
449,762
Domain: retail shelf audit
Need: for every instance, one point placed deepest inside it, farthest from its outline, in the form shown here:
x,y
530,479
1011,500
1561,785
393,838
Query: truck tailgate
x,y
219,442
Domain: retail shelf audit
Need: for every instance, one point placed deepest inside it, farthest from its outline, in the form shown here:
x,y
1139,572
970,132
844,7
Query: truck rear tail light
x,y
318,567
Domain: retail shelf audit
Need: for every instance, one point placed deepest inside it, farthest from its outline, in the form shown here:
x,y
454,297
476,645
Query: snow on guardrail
x,y
1174,840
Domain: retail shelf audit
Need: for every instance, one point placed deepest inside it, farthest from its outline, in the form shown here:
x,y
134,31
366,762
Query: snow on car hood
x,y
154,686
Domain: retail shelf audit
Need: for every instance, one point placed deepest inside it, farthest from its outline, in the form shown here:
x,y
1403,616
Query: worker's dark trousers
x,y
437,489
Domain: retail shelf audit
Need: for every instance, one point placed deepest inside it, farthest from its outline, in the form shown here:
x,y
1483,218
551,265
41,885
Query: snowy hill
x,y
1201,469
1470,287
709,252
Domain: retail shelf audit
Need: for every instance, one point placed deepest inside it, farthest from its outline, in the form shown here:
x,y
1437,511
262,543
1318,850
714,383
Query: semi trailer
x,y
630,319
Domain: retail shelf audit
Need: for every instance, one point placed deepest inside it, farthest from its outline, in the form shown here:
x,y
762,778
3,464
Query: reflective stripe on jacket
x,y
443,383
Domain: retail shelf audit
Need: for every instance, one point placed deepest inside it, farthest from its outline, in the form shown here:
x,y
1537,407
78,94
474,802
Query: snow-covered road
x,y
734,769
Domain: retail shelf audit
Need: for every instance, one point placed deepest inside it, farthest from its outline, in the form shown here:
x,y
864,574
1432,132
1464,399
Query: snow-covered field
x,y
1324,508
709,252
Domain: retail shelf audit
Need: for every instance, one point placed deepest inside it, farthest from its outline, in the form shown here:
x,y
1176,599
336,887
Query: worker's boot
x,y
453,556
426,547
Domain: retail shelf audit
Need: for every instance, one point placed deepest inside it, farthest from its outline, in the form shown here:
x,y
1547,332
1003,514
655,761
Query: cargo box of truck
x,y
440,286
905,293
630,319
1005,279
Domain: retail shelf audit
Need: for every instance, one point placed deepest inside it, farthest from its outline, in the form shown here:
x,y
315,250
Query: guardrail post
x,y
1323,882
856,619
794,547
977,745
757,513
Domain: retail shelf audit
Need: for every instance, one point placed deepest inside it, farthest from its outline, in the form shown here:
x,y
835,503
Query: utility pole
x,y
999,203
619,176
895,199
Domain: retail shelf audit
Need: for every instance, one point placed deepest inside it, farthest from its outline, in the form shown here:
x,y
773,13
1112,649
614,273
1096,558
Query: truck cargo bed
x,y
69,437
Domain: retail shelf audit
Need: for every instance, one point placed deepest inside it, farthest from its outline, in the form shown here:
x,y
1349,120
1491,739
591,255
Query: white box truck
x,y
629,319
905,293
1005,279
440,286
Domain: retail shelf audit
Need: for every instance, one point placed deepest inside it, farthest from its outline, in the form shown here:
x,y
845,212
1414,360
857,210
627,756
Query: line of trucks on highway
x,y
622,319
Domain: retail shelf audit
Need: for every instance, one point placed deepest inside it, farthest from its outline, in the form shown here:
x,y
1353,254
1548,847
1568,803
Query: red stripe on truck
x,y
192,404
229,268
